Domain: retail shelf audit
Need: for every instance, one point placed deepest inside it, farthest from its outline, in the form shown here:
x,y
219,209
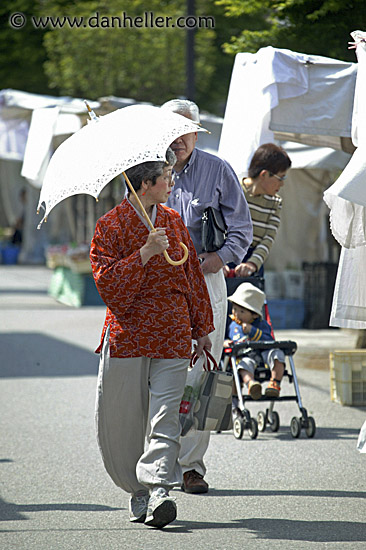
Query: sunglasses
x,y
280,178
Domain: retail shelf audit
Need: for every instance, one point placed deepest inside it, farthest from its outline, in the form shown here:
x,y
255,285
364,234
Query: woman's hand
x,y
156,243
245,270
202,343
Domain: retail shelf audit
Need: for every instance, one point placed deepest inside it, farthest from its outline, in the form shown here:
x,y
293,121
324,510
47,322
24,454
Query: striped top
x,y
265,211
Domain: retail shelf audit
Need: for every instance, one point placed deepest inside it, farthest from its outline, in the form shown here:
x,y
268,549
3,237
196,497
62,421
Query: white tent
x,y
31,125
293,98
288,96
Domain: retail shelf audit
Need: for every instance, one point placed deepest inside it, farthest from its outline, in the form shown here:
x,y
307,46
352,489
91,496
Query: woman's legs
x,y
122,410
121,417
159,466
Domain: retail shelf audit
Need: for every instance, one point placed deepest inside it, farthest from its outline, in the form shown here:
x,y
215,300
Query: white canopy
x,y
28,124
283,95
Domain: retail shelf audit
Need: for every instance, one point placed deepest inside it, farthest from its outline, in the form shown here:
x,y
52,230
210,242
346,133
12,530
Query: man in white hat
x,y
247,306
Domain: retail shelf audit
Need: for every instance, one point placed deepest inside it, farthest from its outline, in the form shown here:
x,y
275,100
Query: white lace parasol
x,y
111,144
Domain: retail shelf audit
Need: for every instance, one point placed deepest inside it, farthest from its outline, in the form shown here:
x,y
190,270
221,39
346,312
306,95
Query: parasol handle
x,y
178,262
166,255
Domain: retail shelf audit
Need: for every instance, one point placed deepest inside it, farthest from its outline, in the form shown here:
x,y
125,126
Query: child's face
x,y
243,314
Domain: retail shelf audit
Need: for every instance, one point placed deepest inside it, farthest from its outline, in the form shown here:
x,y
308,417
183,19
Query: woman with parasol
x,y
154,309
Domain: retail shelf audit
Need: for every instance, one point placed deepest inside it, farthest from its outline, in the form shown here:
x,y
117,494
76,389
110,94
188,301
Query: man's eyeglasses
x,y
280,178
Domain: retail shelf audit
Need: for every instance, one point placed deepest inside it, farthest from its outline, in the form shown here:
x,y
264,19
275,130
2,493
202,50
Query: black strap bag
x,y
213,230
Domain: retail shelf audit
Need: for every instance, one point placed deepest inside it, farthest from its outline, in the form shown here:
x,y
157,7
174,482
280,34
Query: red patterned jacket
x,y
153,310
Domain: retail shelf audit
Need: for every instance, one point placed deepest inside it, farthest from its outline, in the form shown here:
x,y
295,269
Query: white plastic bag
x,y
191,392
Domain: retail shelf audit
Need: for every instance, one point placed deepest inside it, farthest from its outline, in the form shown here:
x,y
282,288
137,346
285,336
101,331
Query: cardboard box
x,y
348,377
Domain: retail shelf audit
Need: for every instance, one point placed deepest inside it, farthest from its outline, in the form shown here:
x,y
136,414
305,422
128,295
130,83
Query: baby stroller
x,y
231,354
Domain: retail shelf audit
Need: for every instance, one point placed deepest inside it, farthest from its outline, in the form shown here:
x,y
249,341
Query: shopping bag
x,y
206,403
192,388
213,408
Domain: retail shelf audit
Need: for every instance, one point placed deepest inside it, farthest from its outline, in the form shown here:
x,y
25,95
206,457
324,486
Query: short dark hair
x,y
150,170
269,157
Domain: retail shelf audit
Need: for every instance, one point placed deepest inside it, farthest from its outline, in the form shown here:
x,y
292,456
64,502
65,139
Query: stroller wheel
x,y
275,424
253,430
295,427
238,427
262,422
311,429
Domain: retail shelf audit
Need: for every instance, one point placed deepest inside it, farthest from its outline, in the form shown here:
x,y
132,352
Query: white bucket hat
x,y
250,297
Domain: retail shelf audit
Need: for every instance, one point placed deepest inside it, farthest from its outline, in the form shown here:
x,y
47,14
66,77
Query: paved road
x,y
274,492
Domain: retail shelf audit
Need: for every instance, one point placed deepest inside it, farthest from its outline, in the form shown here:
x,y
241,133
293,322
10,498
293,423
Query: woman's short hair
x,y
150,170
269,157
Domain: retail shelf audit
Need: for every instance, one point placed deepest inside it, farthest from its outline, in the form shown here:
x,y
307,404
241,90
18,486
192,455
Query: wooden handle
x,y
179,262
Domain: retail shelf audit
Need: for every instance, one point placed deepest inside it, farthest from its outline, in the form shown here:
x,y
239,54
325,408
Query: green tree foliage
x,y
21,50
320,27
147,64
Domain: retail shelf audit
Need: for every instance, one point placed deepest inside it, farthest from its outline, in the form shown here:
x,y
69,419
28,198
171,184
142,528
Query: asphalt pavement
x,y
273,492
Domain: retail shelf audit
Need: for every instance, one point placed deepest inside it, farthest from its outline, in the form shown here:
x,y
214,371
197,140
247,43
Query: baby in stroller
x,y
248,325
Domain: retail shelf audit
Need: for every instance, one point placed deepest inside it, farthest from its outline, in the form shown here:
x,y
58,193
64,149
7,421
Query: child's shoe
x,y
255,390
273,389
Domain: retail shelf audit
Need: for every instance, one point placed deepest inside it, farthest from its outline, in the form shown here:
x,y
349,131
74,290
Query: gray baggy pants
x,y
132,392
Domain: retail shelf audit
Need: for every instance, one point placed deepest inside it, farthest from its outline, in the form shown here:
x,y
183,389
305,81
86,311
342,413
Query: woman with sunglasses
x,y
266,175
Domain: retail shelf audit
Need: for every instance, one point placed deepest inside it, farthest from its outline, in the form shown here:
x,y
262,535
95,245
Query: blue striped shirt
x,y
260,330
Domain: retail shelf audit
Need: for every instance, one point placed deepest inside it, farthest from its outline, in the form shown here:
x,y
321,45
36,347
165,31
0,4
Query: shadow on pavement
x,y
285,435
321,433
299,530
284,529
15,512
285,493
36,354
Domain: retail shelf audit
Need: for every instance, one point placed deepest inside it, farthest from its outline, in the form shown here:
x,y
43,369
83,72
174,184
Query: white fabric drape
x,y
349,299
277,90
38,148
347,201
